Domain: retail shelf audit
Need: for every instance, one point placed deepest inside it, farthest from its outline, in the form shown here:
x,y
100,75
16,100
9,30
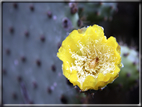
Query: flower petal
x,y
88,83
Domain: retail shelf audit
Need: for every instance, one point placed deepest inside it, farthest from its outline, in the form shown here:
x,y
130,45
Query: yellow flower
x,y
89,59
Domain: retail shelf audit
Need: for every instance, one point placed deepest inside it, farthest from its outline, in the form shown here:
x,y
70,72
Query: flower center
x,y
93,63
92,59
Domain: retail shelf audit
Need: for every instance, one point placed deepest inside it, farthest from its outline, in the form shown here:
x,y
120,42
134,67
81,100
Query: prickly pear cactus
x,y
32,34
129,74
72,14
96,12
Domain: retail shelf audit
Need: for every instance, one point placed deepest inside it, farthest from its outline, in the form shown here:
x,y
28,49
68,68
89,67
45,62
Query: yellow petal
x,y
66,71
88,83
112,42
73,78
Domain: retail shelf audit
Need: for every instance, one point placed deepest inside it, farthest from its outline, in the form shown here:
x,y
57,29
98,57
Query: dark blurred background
x,y
125,23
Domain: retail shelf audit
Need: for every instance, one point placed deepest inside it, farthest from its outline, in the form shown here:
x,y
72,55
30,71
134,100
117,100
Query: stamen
x,y
93,63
